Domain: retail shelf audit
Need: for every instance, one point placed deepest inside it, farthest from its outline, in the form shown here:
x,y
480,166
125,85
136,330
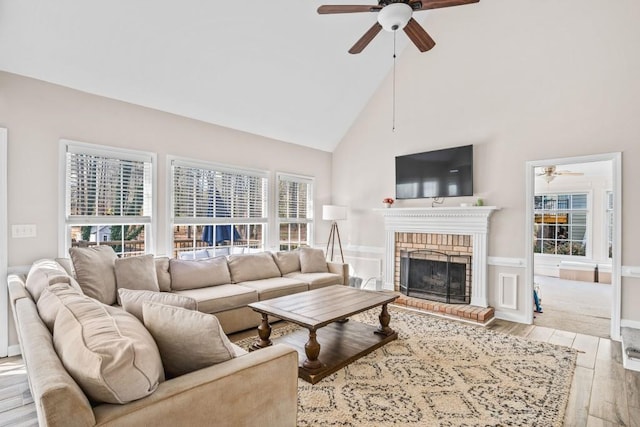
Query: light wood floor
x,y
603,393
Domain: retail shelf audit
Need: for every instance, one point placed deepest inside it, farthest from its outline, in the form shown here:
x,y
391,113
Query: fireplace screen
x,y
436,276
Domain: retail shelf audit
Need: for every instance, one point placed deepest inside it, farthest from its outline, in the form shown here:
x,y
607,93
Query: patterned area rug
x,y
441,373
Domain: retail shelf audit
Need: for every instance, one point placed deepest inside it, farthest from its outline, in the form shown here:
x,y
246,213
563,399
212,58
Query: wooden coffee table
x,y
324,313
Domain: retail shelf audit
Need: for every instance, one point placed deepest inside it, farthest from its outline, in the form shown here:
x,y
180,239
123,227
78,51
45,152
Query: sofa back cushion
x,y
132,301
45,272
288,261
313,261
94,267
109,353
51,300
194,274
188,340
136,273
247,267
162,273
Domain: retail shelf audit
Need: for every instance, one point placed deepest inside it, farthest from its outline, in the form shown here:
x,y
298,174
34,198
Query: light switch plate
x,y
23,230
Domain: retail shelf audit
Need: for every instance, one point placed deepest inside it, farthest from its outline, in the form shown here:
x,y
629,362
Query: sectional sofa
x,y
96,356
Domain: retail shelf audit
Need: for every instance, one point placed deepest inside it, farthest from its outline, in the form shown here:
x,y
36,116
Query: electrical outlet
x,y
19,231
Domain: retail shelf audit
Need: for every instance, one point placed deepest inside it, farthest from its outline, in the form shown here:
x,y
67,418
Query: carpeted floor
x,y
442,373
573,306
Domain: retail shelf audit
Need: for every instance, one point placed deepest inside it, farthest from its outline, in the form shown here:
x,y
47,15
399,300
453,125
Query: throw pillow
x,y
193,274
288,262
131,300
313,261
43,273
106,350
50,301
136,273
247,267
162,273
95,272
188,340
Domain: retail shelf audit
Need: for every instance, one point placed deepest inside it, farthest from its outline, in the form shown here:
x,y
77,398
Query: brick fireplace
x,y
453,230
435,267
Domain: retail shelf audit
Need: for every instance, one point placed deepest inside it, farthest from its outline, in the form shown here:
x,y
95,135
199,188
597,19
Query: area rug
x,y
441,373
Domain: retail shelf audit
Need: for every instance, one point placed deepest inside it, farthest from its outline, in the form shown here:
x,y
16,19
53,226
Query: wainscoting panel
x,y
508,291
364,267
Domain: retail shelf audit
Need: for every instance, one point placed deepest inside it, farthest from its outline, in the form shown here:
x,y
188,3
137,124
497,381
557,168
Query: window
x,y
609,219
295,211
217,210
108,198
560,224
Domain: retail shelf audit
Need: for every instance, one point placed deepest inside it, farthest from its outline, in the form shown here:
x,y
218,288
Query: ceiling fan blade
x,y
366,39
419,36
569,173
436,4
347,9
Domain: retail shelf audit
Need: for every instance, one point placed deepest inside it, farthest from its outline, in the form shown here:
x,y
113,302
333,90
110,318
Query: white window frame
x,y
310,221
66,222
609,215
191,221
588,224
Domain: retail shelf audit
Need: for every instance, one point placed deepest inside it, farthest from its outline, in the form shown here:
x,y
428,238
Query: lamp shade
x,y
334,212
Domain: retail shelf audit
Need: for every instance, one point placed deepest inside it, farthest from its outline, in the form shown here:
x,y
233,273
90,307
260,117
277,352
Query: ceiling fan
x,y
394,15
549,173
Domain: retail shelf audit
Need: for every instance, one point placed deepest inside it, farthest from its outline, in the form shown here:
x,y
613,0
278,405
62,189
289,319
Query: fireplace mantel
x,y
472,220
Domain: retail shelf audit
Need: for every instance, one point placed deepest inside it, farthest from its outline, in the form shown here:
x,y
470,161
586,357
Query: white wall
x,y
37,115
521,81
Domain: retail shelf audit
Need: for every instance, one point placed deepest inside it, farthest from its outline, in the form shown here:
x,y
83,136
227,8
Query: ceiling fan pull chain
x,y
393,107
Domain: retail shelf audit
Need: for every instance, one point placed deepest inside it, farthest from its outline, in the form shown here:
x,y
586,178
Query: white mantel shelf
x,y
461,220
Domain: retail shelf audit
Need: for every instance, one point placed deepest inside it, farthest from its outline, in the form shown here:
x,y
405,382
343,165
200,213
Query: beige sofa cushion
x,y
162,273
221,298
313,261
50,301
45,272
136,273
276,287
131,300
188,340
94,267
247,267
109,353
317,280
193,274
288,261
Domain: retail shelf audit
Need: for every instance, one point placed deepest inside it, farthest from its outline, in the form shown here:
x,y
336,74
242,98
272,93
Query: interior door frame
x,y
4,294
616,260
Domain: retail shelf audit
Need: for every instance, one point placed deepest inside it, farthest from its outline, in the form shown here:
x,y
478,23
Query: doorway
x,y
573,206
4,303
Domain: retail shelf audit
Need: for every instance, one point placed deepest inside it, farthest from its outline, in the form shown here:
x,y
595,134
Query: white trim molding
x,y
4,255
630,271
473,221
508,291
506,262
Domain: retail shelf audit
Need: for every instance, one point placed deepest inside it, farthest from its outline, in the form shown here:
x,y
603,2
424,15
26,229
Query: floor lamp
x,y
334,213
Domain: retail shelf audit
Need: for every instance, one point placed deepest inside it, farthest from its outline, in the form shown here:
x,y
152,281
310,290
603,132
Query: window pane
x,y
579,201
126,240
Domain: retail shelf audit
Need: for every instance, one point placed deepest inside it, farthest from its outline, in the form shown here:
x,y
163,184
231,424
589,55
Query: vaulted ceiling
x,y
272,68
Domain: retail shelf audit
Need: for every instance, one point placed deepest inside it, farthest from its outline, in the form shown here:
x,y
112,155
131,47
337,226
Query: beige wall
x,y
521,82
37,115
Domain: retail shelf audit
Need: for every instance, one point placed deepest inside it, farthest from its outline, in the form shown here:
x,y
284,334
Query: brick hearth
x,y
480,315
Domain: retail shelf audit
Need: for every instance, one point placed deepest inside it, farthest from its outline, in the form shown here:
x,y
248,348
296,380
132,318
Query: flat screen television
x,y
439,173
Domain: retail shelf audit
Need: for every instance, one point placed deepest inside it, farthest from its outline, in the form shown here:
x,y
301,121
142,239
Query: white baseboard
x,y
14,350
630,323
511,316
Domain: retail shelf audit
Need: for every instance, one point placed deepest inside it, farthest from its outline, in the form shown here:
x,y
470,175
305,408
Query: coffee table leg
x,y
312,350
385,318
264,331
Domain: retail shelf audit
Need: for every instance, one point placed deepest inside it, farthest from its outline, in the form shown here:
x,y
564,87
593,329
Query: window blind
x,y
208,192
294,198
105,186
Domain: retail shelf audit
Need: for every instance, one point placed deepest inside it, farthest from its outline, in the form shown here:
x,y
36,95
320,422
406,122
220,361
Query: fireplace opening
x,y
436,276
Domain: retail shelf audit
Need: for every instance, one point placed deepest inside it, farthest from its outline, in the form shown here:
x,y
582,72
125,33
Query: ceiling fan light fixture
x,y
394,16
